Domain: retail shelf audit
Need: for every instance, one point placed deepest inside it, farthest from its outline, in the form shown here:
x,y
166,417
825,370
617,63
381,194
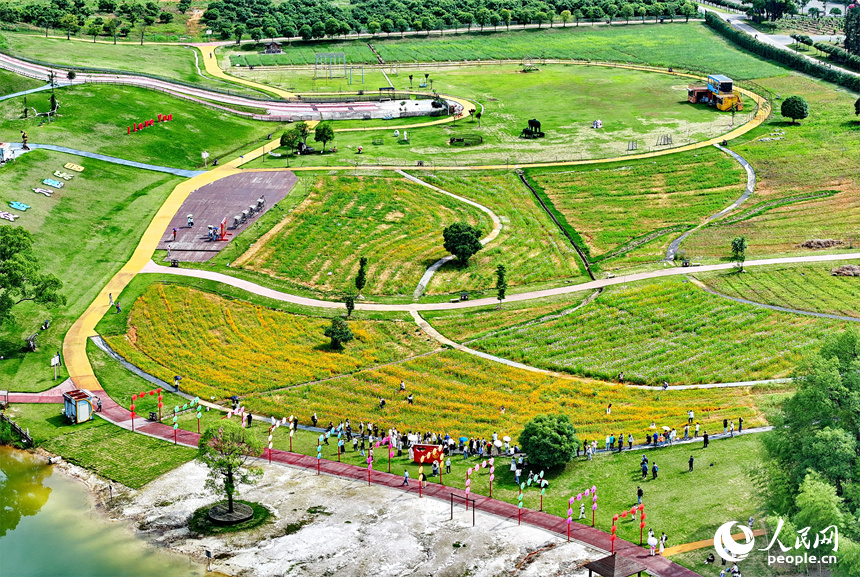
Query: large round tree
x,y
795,107
549,441
462,240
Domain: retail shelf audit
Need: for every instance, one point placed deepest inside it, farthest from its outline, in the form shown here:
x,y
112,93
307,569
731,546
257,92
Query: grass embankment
x,y
112,452
633,105
666,330
796,286
395,223
649,44
615,207
530,246
83,234
11,83
95,118
816,157
223,347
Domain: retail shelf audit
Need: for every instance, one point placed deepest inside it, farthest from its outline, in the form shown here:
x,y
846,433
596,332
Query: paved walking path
x,y
175,171
151,267
497,228
25,92
673,246
686,547
52,395
657,565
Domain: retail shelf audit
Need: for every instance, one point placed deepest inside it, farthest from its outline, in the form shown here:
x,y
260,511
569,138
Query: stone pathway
x,y
497,228
673,246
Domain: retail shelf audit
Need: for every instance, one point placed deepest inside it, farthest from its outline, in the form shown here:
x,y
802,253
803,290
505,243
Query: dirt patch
x,y
394,216
846,270
822,243
192,25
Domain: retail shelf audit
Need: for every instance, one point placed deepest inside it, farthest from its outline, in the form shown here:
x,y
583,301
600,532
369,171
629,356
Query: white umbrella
x,y
652,541
506,439
497,443
665,428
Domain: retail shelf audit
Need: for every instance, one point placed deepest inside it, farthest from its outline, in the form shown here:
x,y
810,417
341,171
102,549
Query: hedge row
x,y
786,57
840,55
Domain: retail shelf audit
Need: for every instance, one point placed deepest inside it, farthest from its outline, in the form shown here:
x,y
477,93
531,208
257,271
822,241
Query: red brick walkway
x,y
53,395
657,565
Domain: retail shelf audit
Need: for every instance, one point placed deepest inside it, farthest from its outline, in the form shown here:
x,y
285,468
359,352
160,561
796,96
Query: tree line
x,y
317,19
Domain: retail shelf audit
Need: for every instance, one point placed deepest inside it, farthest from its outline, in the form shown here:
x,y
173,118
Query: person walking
x,y
644,469
608,439
697,430
639,494
517,474
174,235
110,299
690,417
691,463
740,424
405,478
609,408
705,439
752,521
687,431
423,481
732,429
630,441
620,442
314,419
725,426
118,309
663,539
410,399
448,465
654,471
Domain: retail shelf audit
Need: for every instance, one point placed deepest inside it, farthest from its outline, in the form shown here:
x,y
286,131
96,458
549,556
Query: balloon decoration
x,y
468,485
543,484
492,474
592,492
319,452
520,504
623,515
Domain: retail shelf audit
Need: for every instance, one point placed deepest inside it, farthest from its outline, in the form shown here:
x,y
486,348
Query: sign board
x,y
204,154
55,360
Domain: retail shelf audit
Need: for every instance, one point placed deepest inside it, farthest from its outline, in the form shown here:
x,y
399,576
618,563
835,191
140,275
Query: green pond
x,y
48,528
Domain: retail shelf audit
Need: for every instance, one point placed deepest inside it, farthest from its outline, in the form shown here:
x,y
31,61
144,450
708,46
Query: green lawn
x,y
223,347
665,330
83,235
11,83
566,99
797,286
122,456
395,223
530,245
95,118
614,205
649,44
814,158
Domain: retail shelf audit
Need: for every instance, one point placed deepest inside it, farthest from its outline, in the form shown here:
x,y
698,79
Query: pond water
x,y
48,527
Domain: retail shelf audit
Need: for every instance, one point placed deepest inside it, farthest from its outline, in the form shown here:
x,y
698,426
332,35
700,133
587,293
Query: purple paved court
x,y
212,203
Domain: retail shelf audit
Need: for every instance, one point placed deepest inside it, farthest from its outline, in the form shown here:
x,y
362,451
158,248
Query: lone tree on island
x,y
549,440
21,276
226,449
739,251
338,332
501,284
795,107
462,240
361,277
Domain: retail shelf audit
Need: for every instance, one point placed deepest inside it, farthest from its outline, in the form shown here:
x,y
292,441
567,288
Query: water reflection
x,y
48,528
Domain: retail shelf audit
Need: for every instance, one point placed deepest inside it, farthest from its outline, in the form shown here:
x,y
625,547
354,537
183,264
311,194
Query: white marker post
x,y
55,362
205,155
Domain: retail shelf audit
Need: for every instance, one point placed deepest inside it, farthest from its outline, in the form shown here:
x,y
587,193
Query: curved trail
x,y
151,267
750,188
112,159
431,270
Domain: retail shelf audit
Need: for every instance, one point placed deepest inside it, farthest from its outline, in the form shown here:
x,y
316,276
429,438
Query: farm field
x,y
655,105
462,394
395,223
224,347
101,447
83,234
611,205
638,44
530,245
665,330
796,286
813,158
465,324
95,118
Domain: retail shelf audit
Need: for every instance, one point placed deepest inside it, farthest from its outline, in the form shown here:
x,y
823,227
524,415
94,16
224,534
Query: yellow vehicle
x,y
719,92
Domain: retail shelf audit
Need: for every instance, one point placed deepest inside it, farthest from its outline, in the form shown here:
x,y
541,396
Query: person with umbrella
x,y
652,542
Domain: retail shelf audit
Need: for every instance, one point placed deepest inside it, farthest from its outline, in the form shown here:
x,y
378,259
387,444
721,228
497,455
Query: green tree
x,y
238,32
303,129
795,107
290,139
94,30
183,6
578,15
688,9
495,18
271,32
565,17
501,284
611,11
466,19
318,30
332,27
462,240
388,26
540,17
373,27
69,23
818,506
306,32
549,441
857,107
482,16
402,26
145,23
256,34
506,17
226,450
627,12
338,332
361,277
165,17
21,276
323,133
349,301
739,251
852,30
112,27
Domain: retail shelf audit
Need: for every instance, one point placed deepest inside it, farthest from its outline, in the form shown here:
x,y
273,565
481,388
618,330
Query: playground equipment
x,y
719,92
78,406
331,65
